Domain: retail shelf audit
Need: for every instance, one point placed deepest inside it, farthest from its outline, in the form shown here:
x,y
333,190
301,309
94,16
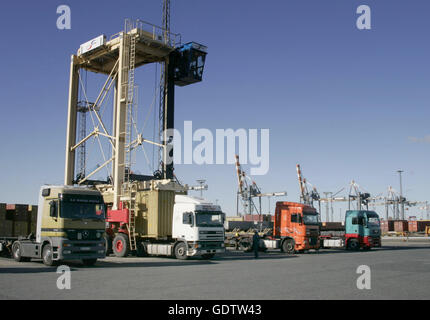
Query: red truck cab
x,y
299,222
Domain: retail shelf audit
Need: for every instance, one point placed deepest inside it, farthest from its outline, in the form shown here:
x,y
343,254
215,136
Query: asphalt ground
x,y
398,270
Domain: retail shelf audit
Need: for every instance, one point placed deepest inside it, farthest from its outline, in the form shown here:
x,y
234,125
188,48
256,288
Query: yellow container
x,y
154,213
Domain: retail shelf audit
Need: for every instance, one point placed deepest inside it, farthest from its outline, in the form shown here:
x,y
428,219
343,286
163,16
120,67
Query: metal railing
x,y
153,32
158,33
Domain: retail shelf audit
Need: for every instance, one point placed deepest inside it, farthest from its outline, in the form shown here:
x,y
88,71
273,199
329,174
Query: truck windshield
x,y
310,218
82,207
373,221
208,219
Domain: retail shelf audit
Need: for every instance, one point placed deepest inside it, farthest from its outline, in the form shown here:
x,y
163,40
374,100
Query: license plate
x,y
85,249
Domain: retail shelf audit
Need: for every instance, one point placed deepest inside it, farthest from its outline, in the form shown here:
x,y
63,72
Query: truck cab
x,y
70,226
198,227
297,225
362,229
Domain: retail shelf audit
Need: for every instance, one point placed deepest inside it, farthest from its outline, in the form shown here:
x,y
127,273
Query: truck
x,y
296,228
70,226
361,230
157,217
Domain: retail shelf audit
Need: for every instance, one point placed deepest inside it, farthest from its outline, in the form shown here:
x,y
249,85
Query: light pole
x,y
402,204
201,182
328,203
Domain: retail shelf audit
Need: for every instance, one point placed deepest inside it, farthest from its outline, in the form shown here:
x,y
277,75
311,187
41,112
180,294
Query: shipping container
x,y
18,212
6,228
413,226
387,225
333,226
422,224
33,213
154,215
20,228
2,211
401,226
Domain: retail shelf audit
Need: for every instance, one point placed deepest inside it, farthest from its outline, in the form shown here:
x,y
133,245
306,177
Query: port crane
x,y
113,113
248,190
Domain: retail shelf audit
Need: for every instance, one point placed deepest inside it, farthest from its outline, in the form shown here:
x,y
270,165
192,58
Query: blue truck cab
x,y
362,229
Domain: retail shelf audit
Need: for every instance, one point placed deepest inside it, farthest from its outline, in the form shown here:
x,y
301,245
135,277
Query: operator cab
x,y
190,64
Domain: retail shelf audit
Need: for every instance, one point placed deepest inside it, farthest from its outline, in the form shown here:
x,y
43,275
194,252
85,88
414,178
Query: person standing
x,y
256,244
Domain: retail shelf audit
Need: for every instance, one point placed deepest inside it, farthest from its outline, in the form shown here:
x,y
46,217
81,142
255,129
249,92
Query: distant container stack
x,y
387,226
17,220
6,225
333,226
258,218
248,221
418,226
401,226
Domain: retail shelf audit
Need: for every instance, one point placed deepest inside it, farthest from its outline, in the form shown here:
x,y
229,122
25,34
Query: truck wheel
x,y
89,262
288,246
121,246
208,256
17,253
47,256
181,251
353,245
108,245
245,246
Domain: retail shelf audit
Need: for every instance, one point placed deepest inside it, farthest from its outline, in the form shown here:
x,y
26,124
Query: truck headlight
x,y
98,235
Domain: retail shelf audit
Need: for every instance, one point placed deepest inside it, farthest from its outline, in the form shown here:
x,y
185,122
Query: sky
x,y
346,104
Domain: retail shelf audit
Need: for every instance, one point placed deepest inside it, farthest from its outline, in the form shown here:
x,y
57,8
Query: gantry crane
x,y
248,190
306,196
140,44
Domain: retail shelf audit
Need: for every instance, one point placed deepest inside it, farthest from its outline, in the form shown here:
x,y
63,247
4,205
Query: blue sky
x,y
343,103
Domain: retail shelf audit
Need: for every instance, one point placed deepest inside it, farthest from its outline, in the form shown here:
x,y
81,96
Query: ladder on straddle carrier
x,y
132,216
130,187
131,45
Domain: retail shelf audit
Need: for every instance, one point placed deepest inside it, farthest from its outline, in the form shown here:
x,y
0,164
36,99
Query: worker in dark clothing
x,y
256,244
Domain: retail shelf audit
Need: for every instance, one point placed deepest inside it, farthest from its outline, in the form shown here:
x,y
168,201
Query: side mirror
x,y
53,209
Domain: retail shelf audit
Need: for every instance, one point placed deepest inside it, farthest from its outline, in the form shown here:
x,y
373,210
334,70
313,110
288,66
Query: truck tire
x,y
89,262
108,245
47,255
353,245
208,256
181,251
17,253
288,246
245,245
121,247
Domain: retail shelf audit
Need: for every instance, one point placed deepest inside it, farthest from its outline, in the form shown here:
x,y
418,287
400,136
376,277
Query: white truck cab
x,y
198,227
